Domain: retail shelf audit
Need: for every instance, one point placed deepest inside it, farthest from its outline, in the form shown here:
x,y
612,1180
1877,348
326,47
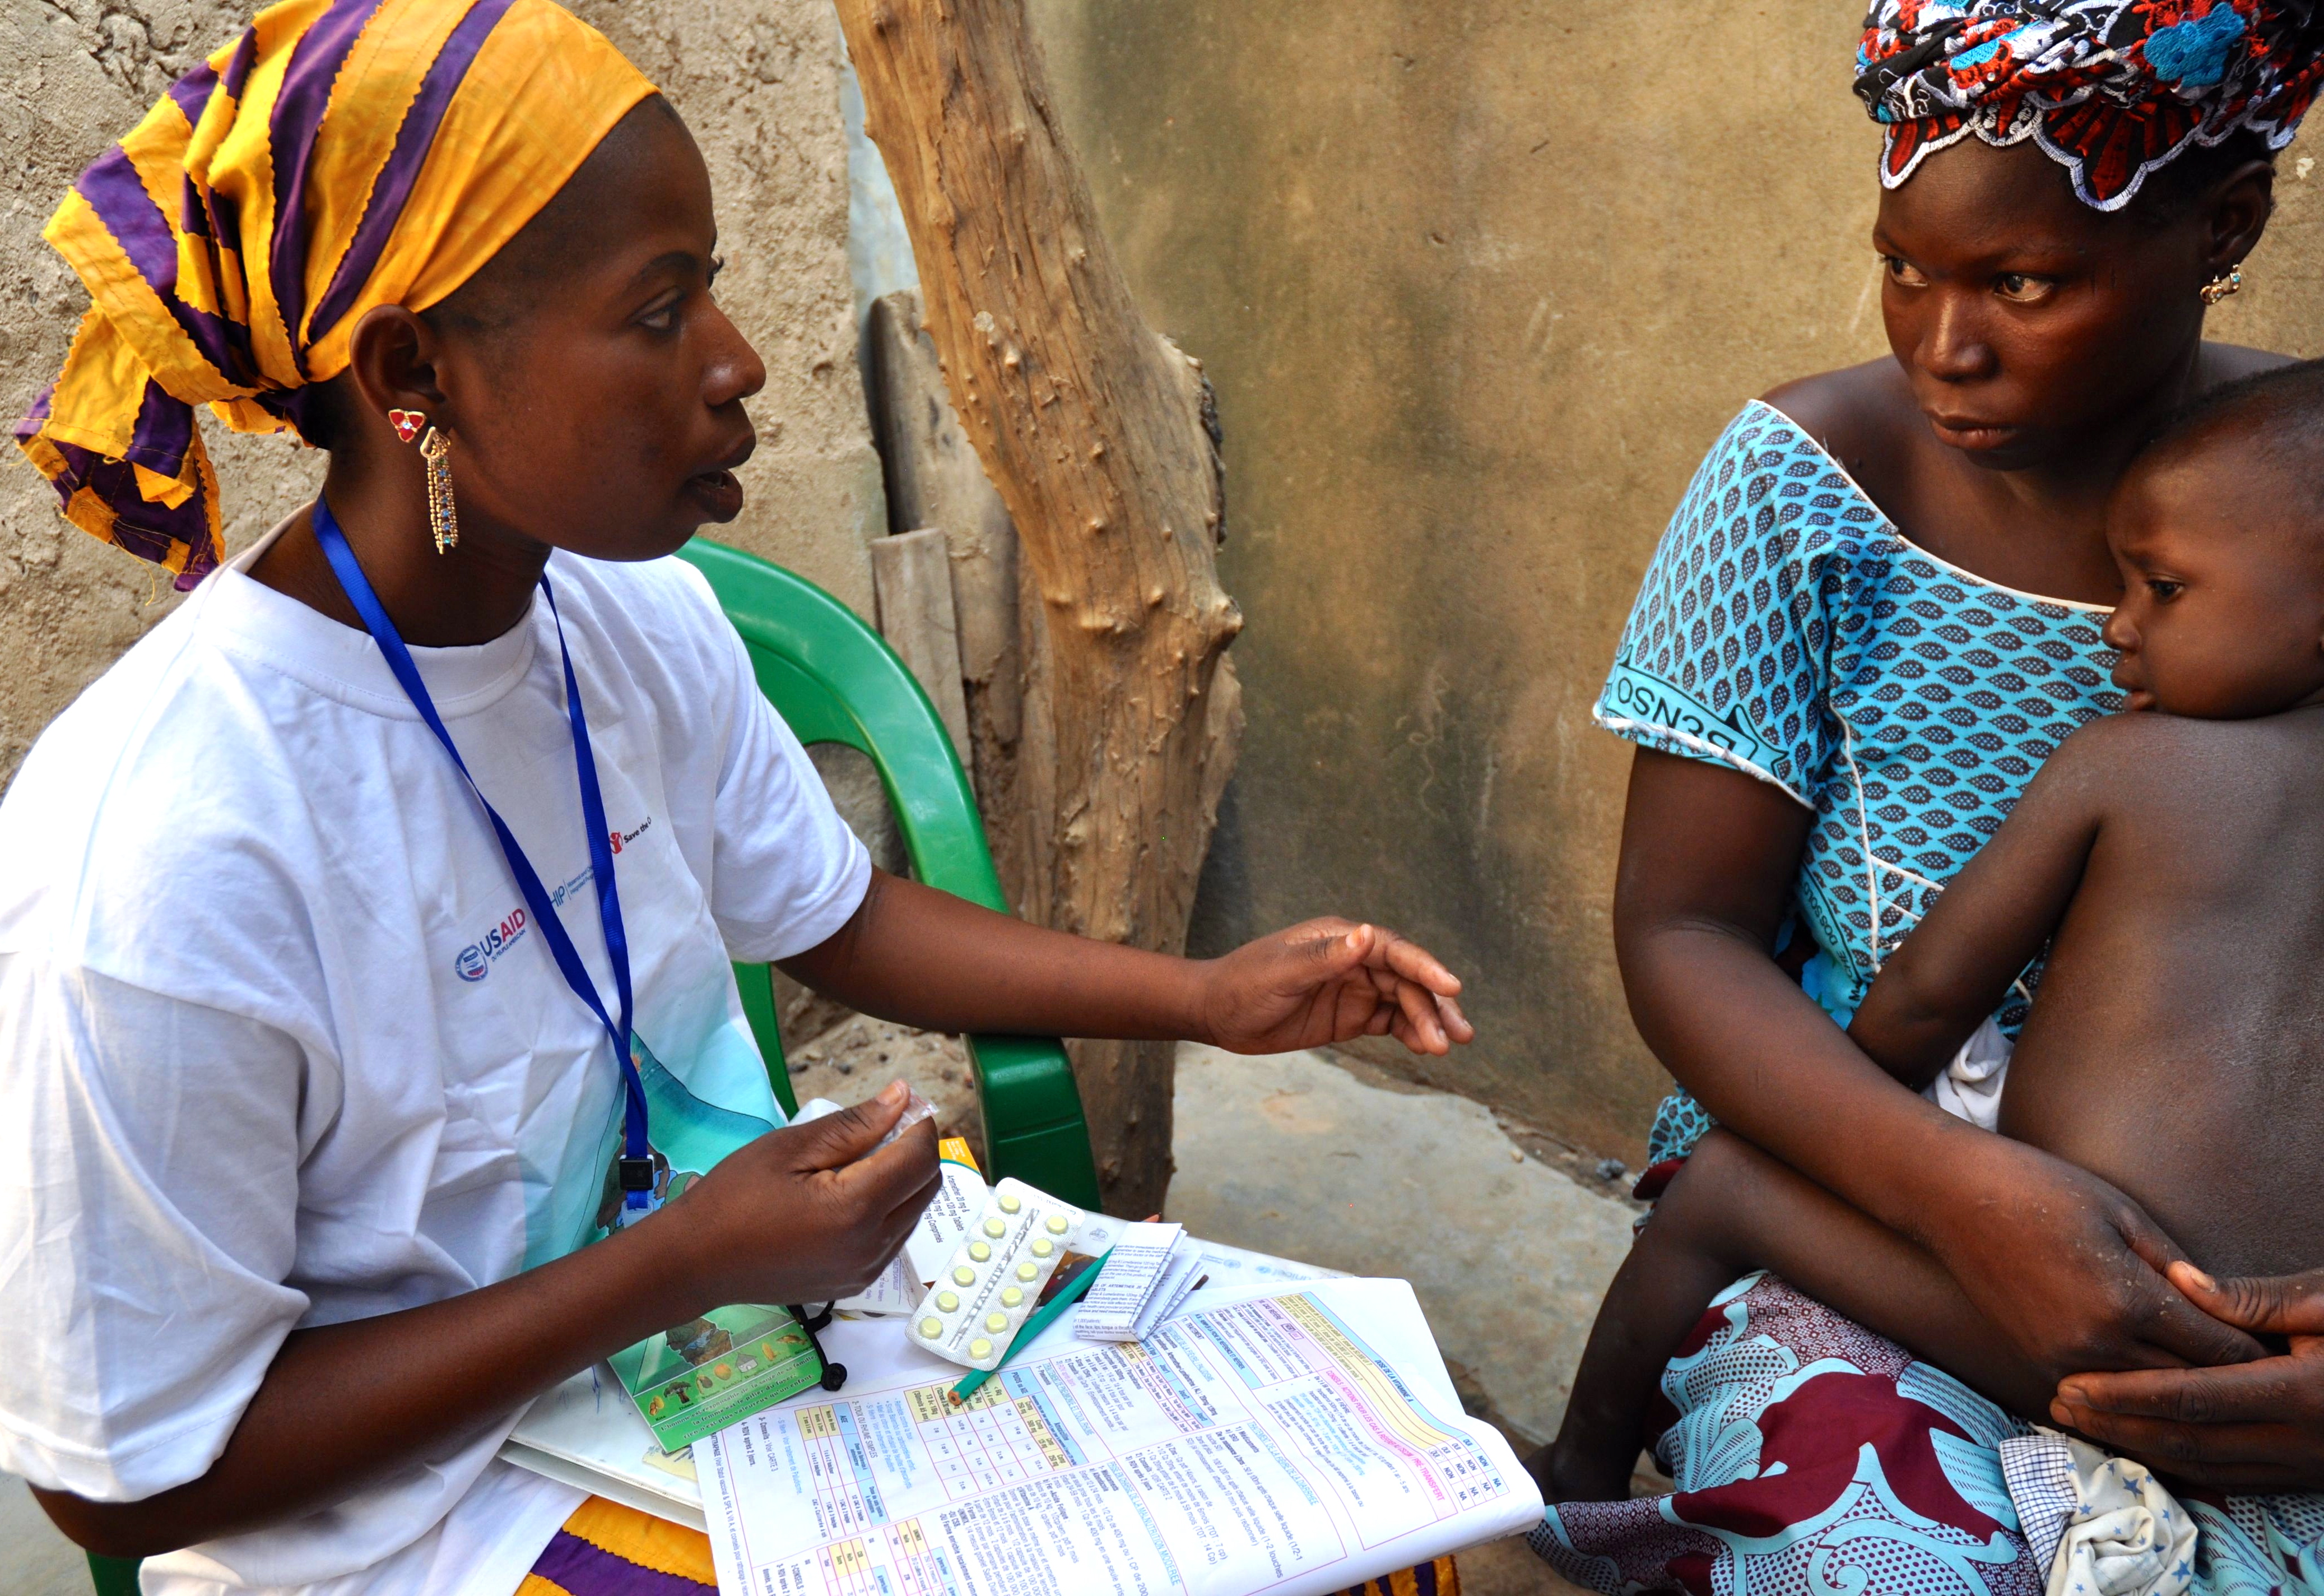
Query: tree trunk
x,y
1099,434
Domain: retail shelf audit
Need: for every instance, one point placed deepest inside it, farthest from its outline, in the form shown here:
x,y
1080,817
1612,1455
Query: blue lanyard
x,y
637,1169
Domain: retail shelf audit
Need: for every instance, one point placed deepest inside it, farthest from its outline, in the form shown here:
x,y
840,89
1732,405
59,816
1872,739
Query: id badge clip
x,y
648,1176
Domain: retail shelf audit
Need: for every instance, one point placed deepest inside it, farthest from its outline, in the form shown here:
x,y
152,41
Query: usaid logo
x,y
474,961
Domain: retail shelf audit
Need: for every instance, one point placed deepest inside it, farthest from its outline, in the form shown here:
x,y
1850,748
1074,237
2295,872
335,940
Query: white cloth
x,y
278,1046
1970,1086
2103,1526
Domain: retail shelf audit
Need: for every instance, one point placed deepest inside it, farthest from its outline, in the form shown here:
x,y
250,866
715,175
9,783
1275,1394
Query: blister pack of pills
x,y
995,1277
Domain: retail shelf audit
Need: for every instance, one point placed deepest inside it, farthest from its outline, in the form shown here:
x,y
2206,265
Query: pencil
x,y
1033,1326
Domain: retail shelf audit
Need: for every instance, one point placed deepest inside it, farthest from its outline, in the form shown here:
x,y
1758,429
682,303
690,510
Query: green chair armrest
x,y
113,1576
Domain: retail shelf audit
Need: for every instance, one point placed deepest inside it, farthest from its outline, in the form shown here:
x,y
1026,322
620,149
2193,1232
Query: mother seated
x,y
1875,616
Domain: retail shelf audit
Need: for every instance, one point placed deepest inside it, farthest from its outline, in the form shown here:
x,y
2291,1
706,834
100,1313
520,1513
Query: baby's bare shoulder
x,y
2143,759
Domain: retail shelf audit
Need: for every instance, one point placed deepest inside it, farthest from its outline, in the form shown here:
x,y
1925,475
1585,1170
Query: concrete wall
x,y
760,87
1478,285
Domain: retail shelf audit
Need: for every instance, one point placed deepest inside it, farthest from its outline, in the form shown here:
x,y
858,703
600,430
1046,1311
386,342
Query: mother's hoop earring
x,y
2223,285
437,450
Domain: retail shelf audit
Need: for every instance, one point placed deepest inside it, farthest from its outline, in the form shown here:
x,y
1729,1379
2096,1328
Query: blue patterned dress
x,y
1788,630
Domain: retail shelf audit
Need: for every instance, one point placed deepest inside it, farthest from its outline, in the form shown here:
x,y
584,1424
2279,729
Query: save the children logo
x,y
474,961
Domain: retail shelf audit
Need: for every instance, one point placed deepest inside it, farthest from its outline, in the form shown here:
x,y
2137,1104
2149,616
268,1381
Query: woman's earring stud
x,y
407,423
437,450
2223,285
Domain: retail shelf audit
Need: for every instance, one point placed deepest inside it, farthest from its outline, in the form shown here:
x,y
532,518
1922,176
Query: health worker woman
x,y
341,1054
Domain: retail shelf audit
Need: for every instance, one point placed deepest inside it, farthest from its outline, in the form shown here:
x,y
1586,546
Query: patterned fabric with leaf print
x,y
1787,630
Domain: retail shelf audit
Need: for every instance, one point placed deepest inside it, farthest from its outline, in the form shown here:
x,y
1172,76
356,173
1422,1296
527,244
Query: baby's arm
x,y
1987,926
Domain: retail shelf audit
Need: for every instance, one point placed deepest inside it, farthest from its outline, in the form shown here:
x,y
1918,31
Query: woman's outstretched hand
x,y
2255,1426
1329,980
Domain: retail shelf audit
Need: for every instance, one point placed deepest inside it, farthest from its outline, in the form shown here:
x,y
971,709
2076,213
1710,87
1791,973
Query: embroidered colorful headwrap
x,y
340,156
2112,90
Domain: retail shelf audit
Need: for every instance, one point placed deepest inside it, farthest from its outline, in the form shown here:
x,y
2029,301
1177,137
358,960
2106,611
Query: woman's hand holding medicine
x,y
799,1215
805,1214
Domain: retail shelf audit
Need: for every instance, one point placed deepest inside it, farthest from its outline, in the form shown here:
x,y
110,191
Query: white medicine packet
x,y
915,1109
898,1286
1178,1283
894,1292
944,1221
1133,1274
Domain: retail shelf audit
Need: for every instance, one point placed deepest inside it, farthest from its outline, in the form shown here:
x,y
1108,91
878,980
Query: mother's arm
x,y
2064,1264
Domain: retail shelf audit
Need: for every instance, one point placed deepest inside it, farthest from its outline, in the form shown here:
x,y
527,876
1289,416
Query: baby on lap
x,y
2173,863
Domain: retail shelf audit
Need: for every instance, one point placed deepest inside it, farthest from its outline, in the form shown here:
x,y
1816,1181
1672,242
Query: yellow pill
x,y
995,1229
963,1276
980,1348
1057,1226
1010,1202
932,1327
1011,1296
1043,1247
948,1302
996,1323
980,1252
1026,1271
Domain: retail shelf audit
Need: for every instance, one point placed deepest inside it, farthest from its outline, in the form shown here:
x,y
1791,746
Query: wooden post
x,y
1101,438
911,578
933,479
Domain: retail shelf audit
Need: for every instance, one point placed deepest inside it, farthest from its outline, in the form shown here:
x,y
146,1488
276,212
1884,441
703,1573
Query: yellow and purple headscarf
x,y
2111,89
339,155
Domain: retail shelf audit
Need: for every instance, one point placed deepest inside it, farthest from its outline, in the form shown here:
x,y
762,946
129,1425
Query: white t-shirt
x,y
278,1048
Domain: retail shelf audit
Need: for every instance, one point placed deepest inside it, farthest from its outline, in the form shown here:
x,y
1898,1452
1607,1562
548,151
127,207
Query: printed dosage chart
x,y
993,1439
1392,1464
1263,1445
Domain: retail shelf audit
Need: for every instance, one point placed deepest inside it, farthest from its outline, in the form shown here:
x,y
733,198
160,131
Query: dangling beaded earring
x,y
2223,285
437,450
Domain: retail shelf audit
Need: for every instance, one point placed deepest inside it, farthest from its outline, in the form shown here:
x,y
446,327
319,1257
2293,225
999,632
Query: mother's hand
x,y
2067,1267
2257,1426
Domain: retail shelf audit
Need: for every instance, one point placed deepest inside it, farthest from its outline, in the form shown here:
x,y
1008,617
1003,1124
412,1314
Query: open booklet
x,y
587,1434
1294,1439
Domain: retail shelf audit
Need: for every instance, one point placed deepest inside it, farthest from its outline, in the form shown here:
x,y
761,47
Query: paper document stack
x,y
1149,1274
587,1434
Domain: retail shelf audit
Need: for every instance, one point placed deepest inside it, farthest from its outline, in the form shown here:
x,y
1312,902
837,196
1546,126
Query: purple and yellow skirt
x,y
607,1549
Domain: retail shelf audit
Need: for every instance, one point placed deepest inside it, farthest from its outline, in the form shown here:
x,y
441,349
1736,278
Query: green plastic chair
x,y
837,680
